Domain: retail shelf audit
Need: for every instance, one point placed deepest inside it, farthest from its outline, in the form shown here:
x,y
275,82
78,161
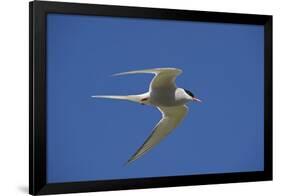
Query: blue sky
x,y
91,139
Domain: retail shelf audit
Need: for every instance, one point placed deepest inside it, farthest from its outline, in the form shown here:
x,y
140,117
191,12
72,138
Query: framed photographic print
x,y
130,97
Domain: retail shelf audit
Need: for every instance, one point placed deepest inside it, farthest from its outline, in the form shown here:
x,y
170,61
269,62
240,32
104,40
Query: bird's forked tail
x,y
133,98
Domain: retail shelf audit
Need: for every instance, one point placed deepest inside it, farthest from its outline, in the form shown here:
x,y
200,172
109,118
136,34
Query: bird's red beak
x,y
196,99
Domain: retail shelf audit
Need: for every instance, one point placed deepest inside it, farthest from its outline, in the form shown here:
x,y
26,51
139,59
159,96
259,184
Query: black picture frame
x,y
37,101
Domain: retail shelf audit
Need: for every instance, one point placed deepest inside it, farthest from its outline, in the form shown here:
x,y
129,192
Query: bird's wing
x,y
164,77
171,117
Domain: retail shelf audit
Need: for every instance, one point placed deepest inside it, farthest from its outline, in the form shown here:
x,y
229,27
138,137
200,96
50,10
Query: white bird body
x,y
163,94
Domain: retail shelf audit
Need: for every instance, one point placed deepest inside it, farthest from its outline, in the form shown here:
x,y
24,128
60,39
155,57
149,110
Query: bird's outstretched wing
x,y
171,117
164,77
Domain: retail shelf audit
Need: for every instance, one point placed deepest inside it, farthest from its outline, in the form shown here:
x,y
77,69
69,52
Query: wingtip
x,y
126,164
129,161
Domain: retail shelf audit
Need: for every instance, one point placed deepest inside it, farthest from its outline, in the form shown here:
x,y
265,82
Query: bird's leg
x,y
144,100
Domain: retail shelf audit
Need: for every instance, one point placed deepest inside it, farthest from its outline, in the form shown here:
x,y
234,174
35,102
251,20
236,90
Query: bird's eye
x,y
189,93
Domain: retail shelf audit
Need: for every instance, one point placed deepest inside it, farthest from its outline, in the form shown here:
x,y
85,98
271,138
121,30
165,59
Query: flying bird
x,y
166,96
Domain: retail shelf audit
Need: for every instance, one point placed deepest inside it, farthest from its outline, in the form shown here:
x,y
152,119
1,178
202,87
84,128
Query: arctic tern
x,y
166,96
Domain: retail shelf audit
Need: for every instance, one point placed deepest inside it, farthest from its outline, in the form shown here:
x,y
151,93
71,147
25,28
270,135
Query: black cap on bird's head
x,y
189,93
192,95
